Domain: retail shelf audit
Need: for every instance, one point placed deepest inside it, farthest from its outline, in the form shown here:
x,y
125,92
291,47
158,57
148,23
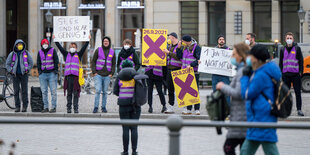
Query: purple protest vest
x,y
290,63
126,89
72,65
101,61
47,61
188,58
25,59
172,61
157,70
130,58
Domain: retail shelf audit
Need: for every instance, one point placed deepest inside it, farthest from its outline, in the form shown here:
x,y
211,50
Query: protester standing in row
x,y
103,68
250,39
47,62
19,63
128,53
235,136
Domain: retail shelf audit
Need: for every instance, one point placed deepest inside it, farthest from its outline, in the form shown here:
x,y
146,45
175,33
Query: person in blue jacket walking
x,y
256,81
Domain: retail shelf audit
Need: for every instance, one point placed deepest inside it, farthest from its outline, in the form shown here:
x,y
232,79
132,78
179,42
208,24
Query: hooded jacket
x,y
55,59
257,107
126,74
19,60
125,54
196,53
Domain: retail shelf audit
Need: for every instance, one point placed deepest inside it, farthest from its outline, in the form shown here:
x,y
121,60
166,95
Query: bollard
x,y
174,124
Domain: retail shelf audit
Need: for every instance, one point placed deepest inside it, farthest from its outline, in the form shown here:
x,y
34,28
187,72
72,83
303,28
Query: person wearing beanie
x,y
128,53
103,68
190,55
124,87
71,82
256,86
292,67
47,62
19,63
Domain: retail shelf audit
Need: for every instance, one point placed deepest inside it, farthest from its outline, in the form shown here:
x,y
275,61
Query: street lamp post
x,y
301,15
49,18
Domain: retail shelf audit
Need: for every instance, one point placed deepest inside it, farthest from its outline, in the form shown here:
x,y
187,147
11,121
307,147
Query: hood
x,y
16,42
106,37
126,53
127,74
271,69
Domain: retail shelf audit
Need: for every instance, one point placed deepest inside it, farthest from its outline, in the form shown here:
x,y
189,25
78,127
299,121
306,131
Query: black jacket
x,y
196,53
299,57
125,74
55,58
125,54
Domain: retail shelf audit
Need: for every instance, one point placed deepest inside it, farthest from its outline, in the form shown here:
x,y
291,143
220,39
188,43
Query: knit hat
x,y
260,52
220,36
173,34
44,41
127,63
187,38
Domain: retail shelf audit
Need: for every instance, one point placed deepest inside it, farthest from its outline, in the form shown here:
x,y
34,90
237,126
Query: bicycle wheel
x,y
9,95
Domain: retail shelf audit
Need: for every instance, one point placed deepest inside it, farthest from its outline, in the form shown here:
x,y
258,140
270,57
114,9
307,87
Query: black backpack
x,y
282,106
140,95
36,100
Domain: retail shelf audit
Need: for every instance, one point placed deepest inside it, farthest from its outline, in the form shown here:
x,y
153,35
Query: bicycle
x,y
88,82
111,84
7,94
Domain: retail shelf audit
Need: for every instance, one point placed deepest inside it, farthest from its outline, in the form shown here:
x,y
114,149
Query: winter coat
x,y
125,54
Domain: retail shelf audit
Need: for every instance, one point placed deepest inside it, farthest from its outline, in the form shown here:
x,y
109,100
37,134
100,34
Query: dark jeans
x,y
231,144
196,106
170,88
21,81
130,112
296,80
158,84
71,92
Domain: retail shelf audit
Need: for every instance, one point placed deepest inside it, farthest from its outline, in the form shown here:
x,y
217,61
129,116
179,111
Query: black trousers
x,y
170,87
231,144
158,84
130,112
20,81
196,106
72,93
296,80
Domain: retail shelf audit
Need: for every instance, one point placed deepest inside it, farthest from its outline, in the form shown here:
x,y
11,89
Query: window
x,y
289,19
189,19
216,21
262,20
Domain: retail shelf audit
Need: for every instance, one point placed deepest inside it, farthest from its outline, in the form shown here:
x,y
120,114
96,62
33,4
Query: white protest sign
x,y
71,28
216,61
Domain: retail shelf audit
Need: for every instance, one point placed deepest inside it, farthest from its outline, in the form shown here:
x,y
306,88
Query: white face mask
x,y
72,50
45,46
126,47
247,42
289,41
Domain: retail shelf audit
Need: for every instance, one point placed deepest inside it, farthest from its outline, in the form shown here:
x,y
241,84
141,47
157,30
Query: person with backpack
x,y
235,136
71,72
19,63
128,53
47,63
256,83
124,88
291,62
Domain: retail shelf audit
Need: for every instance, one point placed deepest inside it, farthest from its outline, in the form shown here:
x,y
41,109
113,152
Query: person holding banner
x,y
173,63
103,68
128,53
47,62
190,55
71,81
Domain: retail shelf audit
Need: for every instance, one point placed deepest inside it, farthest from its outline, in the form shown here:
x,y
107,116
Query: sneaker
x,y
53,110
124,153
150,110
45,110
24,109
197,112
300,113
17,110
104,110
134,153
95,110
76,111
186,112
169,110
69,111
163,109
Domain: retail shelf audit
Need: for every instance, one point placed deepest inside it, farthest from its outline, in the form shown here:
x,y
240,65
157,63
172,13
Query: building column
x,y
203,26
149,14
72,8
306,32
110,20
275,21
3,28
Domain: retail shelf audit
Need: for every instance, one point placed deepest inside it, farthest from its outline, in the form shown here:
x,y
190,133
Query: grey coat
x,y
237,105
22,67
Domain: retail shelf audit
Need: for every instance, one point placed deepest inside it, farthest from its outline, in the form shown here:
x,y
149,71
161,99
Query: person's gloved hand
x,y
247,71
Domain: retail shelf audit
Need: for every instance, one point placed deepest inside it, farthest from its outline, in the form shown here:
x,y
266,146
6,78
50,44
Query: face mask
x,y
183,44
289,41
233,61
20,47
126,47
248,61
45,46
169,41
72,50
247,42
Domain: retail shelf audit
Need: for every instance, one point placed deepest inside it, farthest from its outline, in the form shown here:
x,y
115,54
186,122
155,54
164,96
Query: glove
x,y
247,71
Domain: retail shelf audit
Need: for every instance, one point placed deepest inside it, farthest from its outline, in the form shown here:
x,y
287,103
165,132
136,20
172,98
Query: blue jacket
x,y
257,107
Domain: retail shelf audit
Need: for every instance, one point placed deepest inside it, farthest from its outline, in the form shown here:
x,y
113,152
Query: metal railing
x,y
174,123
